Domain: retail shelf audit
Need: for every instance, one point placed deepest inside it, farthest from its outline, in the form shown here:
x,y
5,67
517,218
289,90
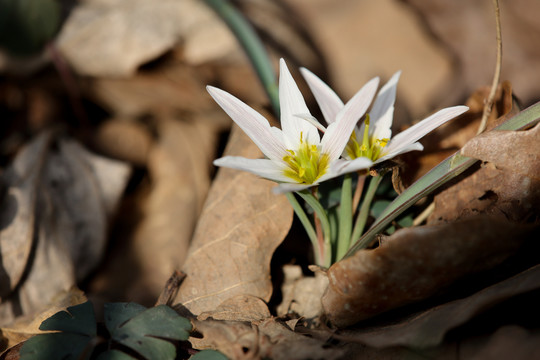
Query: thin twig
x,y
424,214
489,103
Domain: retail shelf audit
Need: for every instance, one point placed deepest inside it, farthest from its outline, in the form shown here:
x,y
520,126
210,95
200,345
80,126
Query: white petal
x,y
291,103
286,187
411,147
382,111
251,122
337,135
417,131
264,168
341,167
327,99
312,120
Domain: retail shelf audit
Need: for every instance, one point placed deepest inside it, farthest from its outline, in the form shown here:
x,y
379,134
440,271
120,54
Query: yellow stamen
x,y
369,147
306,164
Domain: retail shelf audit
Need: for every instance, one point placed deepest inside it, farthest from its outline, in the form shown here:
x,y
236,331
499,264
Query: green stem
x,y
299,211
345,217
364,209
326,249
249,40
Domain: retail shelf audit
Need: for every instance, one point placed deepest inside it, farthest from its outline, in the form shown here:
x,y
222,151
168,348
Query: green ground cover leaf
x,y
147,332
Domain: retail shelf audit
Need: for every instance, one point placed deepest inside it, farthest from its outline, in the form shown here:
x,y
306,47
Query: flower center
x,y
369,147
306,164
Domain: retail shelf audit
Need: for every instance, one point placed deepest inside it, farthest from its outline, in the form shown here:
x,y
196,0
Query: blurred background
x,y
122,82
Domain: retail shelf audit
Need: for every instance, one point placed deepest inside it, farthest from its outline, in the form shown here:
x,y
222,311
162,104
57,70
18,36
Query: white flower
x,y
296,156
373,138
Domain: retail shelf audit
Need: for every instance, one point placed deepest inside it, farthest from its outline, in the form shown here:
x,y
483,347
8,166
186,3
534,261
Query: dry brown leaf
x,y
179,165
512,151
268,339
124,140
508,342
449,138
241,225
467,30
508,186
428,328
114,37
239,308
27,326
414,264
171,88
68,196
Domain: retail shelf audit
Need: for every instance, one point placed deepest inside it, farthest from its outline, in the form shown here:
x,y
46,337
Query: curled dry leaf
x,y
513,151
56,202
414,264
508,185
128,33
267,339
428,328
241,225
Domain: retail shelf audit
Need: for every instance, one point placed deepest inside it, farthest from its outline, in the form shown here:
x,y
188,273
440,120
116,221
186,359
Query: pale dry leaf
x,y
19,185
241,225
235,339
428,328
73,194
415,263
302,295
27,326
513,151
114,37
239,308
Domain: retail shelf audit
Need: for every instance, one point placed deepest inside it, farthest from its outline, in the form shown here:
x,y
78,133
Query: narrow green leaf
x,y
439,175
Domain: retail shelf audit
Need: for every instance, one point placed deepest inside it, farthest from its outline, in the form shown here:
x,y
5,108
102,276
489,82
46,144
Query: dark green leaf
x,y
117,314
146,331
114,355
208,355
27,25
78,324
64,346
78,319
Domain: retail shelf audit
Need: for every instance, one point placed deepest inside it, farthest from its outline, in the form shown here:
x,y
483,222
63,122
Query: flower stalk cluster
x,y
304,153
